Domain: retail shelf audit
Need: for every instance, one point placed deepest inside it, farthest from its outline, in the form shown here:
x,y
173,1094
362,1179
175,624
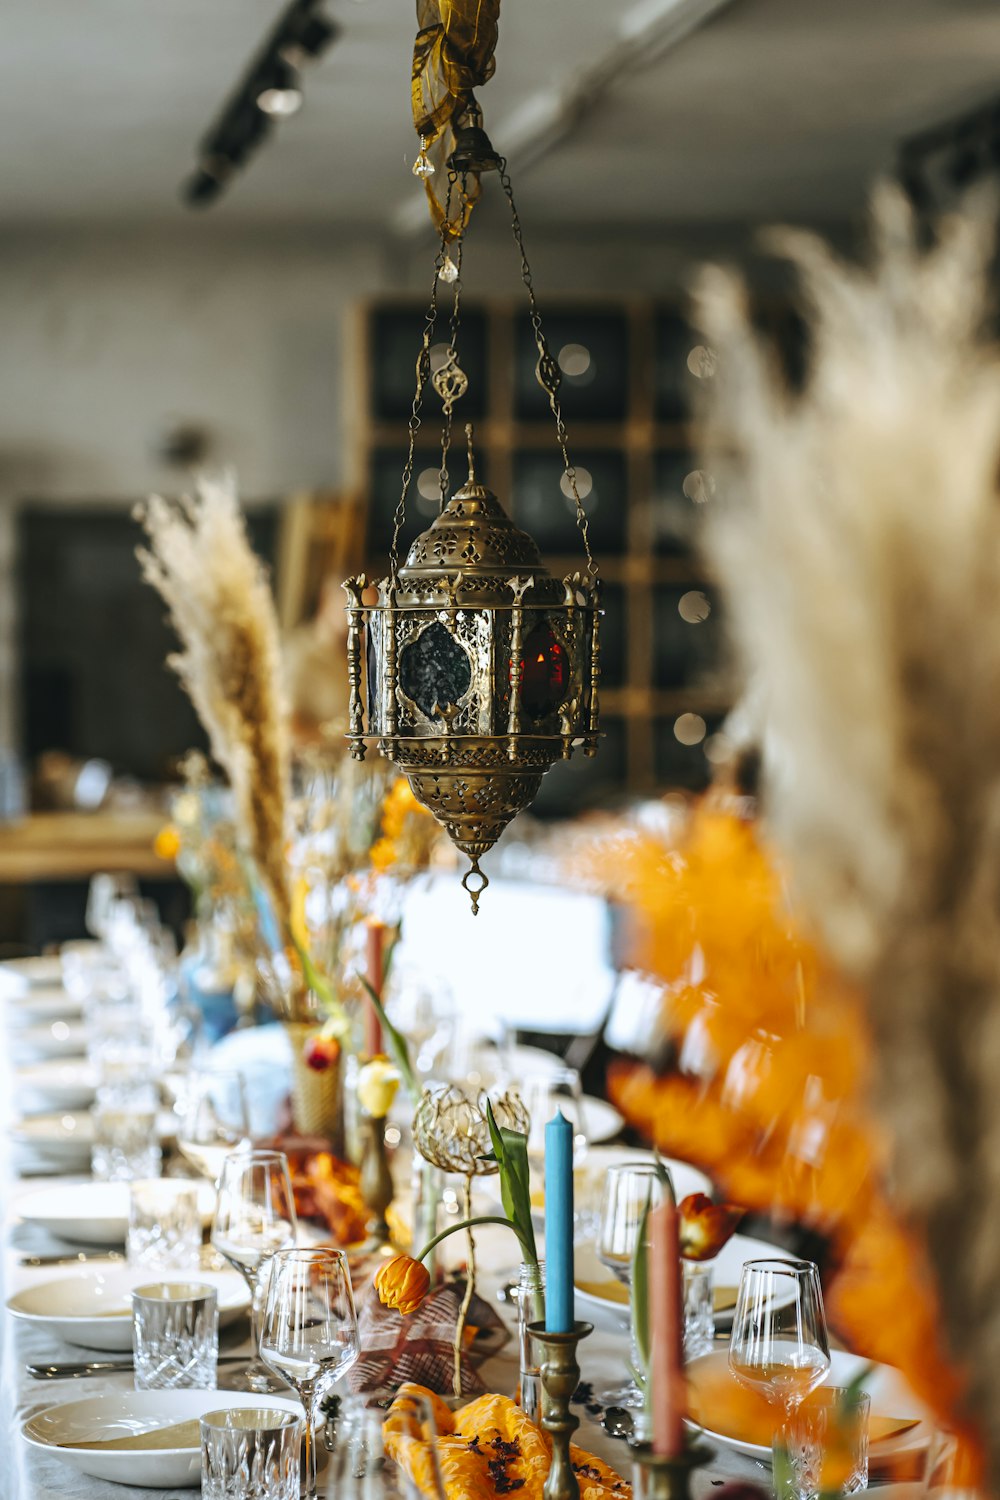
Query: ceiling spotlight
x,y
280,103
269,91
205,184
311,39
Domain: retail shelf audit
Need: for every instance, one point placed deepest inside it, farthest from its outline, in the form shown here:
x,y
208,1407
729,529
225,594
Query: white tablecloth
x,y
25,1474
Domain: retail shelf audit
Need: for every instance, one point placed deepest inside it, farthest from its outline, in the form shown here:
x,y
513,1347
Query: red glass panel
x,y
544,672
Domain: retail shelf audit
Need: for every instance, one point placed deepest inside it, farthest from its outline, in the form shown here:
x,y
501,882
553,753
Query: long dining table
x,y
28,1474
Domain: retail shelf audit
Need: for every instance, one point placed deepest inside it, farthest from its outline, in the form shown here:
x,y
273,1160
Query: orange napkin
x,y
488,1448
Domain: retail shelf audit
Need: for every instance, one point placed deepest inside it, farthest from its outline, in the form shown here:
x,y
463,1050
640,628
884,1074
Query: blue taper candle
x,y
558,1225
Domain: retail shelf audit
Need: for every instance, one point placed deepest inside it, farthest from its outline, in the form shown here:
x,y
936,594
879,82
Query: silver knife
x,y
82,1257
105,1367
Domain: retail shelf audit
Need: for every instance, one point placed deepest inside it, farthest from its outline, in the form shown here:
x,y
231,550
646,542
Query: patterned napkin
x,y
420,1346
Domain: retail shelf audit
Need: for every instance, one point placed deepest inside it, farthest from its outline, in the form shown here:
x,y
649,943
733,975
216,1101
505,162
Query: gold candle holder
x,y
560,1374
377,1187
659,1477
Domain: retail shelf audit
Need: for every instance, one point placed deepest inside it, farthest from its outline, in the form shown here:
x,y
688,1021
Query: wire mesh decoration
x,y
451,1131
482,669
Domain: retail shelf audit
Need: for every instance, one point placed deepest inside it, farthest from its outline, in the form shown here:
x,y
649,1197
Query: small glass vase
x,y
530,1309
426,1185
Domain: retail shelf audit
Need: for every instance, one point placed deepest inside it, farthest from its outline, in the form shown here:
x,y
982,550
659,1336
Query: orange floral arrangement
x,y
328,1190
408,831
772,1065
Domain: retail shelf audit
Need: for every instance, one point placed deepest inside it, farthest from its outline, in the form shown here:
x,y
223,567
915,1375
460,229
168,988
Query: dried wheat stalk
x,y
857,537
216,589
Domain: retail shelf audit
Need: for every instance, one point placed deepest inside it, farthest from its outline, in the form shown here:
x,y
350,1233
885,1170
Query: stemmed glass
x,y
545,1093
779,1344
213,1120
309,1332
394,1456
254,1218
628,1187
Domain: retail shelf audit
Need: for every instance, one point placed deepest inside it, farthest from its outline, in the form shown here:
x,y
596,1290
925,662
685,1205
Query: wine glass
x,y
254,1218
628,1188
309,1332
779,1346
545,1093
396,1451
214,1120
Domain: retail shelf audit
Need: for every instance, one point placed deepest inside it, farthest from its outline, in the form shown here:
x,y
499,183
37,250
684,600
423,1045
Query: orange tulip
x,y
402,1283
705,1226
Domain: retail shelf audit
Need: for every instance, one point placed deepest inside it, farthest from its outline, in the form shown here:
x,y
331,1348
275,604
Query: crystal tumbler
x,y
250,1453
175,1336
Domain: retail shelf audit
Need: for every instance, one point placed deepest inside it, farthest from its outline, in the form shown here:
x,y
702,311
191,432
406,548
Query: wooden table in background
x,y
74,846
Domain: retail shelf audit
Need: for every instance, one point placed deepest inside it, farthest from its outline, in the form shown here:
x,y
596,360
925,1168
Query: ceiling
x,y
771,108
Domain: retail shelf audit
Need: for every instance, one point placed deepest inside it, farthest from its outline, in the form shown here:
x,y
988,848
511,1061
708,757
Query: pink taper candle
x,y
666,1316
376,976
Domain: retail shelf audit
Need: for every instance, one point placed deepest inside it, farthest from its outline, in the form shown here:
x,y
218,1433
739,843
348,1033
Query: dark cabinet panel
x,y
543,502
395,335
591,349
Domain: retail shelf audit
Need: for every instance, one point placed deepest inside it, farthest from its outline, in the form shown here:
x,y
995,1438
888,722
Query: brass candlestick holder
x,y
377,1188
658,1477
560,1374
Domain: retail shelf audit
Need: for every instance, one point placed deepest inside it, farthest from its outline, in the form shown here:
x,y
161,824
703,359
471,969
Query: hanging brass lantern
x,y
482,668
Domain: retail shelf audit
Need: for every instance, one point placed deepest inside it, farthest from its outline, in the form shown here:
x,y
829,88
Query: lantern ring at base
x,y
475,891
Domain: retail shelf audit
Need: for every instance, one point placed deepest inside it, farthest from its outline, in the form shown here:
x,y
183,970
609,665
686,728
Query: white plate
x,y
891,1397
601,1121
93,1309
116,1415
61,1039
588,1178
19,974
93,1213
31,1007
57,1083
728,1265
69,1135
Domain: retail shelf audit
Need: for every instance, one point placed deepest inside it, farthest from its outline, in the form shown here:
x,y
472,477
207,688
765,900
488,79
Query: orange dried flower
x,y
771,1089
167,844
706,1226
402,1283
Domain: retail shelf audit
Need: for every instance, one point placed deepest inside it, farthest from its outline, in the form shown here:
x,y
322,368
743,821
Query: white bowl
x,y
33,1007
54,1430
57,1084
20,974
93,1309
60,1039
93,1213
67,1137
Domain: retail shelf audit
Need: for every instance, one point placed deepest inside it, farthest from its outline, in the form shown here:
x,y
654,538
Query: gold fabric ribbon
x,y
452,55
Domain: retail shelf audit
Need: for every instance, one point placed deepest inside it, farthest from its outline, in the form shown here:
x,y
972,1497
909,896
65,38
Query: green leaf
x,y
663,1175
396,1042
640,1290
510,1152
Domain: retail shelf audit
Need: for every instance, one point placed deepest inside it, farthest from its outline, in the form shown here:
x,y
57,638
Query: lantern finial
x,y
472,457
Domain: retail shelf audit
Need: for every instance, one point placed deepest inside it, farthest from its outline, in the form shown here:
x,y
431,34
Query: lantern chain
x,y
451,382
423,374
547,370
